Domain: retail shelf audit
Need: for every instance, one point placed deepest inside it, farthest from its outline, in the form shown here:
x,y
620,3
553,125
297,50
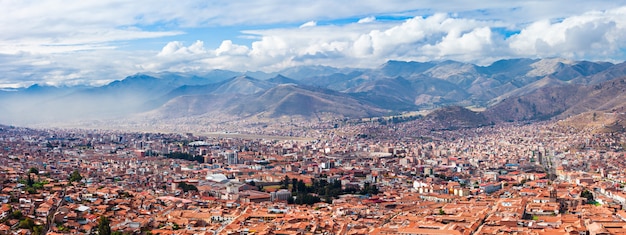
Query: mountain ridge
x,y
393,87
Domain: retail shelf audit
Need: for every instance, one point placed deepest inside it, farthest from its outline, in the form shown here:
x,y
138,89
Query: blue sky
x,y
94,42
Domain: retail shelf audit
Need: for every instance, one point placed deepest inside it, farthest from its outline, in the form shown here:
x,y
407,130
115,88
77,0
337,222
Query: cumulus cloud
x,y
436,37
228,48
177,48
171,48
588,35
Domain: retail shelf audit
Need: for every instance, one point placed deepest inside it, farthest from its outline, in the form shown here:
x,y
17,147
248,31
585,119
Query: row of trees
x,y
397,119
187,187
185,156
322,189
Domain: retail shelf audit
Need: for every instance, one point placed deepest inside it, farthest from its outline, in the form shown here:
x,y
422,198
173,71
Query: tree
x,y
17,215
37,230
285,183
328,199
294,185
187,187
369,189
301,186
588,195
27,223
104,227
75,176
30,181
305,198
33,170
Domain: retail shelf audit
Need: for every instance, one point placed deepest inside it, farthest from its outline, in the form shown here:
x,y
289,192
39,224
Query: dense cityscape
x,y
355,178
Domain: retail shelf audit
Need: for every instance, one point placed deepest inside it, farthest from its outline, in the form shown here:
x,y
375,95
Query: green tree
x,y
33,170
104,227
328,199
306,198
30,181
187,187
75,176
37,230
17,215
31,190
369,189
588,195
294,185
285,183
301,186
27,223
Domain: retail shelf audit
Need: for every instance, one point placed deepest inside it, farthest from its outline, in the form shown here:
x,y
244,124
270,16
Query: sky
x,y
65,43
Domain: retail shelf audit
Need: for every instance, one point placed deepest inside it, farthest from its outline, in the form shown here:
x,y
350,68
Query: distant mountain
x,y
337,81
562,102
505,70
289,99
236,85
280,79
394,93
217,75
243,85
611,72
281,100
303,72
548,81
404,68
510,90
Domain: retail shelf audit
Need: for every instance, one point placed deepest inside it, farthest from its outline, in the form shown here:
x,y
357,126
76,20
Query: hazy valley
x,y
507,90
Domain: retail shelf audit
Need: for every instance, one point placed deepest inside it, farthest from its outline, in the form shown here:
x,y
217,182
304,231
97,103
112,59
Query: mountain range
x,y
508,90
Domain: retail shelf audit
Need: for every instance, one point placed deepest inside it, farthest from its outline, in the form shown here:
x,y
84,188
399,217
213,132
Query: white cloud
x,y
588,35
93,41
369,19
228,48
309,24
437,37
461,46
28,25
171,48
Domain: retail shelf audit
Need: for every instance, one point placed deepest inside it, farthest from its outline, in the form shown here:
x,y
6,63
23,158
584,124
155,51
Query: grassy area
x,y
272,187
